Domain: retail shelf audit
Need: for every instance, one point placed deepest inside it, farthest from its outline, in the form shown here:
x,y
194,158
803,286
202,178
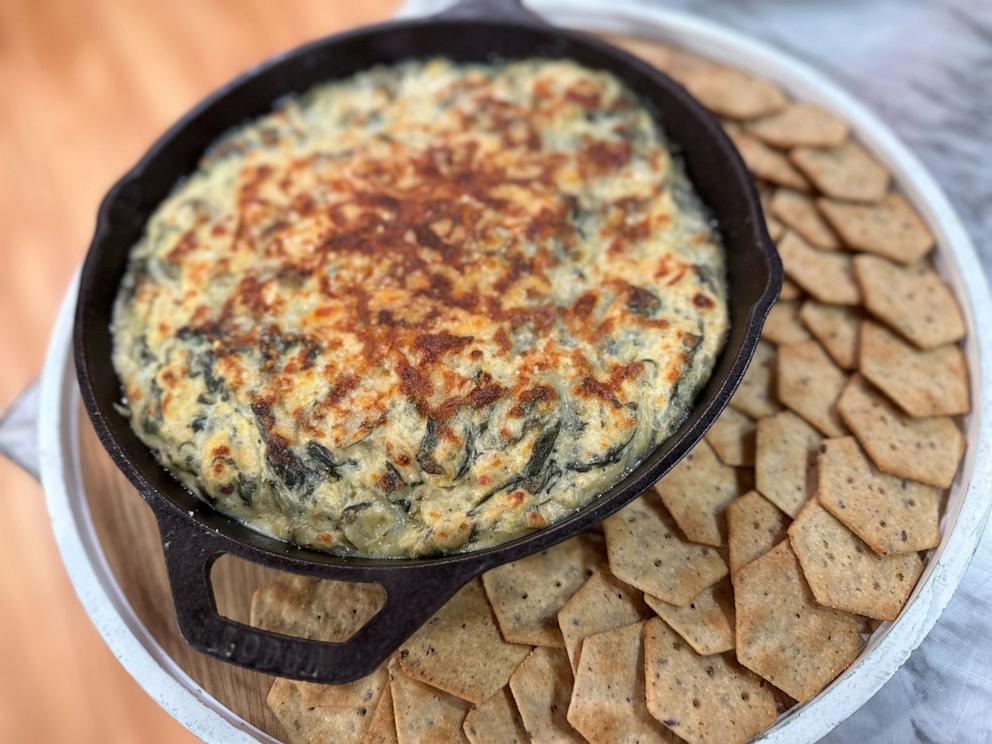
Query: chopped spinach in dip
x,y
428,308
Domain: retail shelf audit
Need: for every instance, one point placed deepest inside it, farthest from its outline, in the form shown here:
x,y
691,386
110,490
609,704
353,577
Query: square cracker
x,y
460,649
542,689
382,727
674,61
892,515
810,383
732,93
603,602
926,450
527,594
732,438
800,124
706,623
766,163
922,383
756,395
890,228
310,608
696,491
703,698
799,212
826,275
646,550
912,300
844,172
846,574
775,228
608,698
754,526
424,714
836,327
496,719
783,634
784,466
790,290
315,721
782,326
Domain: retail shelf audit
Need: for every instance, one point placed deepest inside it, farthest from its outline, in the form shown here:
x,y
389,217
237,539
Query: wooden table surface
x,y
87,86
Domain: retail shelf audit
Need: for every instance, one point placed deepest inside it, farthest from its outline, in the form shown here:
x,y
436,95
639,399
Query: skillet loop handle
x,y
492,10
413,595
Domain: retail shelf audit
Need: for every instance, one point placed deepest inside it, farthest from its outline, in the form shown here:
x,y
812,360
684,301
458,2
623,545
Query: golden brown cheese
x,y
427,308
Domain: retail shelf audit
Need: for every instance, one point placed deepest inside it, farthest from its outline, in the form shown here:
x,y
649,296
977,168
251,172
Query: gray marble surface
x,y
925,66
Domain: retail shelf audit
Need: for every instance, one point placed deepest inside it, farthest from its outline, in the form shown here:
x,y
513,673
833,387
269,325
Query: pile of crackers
x,y
752,574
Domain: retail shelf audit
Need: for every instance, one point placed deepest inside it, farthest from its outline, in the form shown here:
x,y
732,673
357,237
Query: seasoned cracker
x,y
706,623
696,491
800,124
912,300
783,325
783,634
892,515
647,551
890,228
927,450
826,275
790,290
785,461
608,698
495,720
527,594
844,573
922,383
798,211
844,172
754,526
424,714
310,608
675,62
542,689
703,698
809,383
756,395
775,228
602,603
733,93
313,712
766,163
460,649
765,191
732,438
305,724
382,728
836,327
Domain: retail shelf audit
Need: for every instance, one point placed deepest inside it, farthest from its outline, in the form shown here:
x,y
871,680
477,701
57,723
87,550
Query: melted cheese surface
x,y
428,308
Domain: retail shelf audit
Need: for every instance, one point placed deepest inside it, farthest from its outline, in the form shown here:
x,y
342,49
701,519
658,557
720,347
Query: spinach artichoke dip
x,y
428,308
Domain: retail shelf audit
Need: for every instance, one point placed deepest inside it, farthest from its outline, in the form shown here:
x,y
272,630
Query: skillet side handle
x,y
492,10
413,595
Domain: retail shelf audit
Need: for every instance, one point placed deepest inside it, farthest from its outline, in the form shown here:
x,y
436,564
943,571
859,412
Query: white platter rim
x,y
210,720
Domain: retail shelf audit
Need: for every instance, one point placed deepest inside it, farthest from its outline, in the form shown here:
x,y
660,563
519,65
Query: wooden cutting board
x,y
129,537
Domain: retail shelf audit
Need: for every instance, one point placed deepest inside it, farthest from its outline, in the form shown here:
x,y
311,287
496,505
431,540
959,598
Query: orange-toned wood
x,y
86,87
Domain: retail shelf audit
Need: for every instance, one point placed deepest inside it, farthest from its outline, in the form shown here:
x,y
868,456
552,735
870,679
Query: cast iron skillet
x,y
193,534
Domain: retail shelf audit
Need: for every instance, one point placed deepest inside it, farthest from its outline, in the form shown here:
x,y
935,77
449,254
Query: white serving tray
x,y
53,408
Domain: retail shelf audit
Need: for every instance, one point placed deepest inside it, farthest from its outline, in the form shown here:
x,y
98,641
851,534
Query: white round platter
x,y
968,502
